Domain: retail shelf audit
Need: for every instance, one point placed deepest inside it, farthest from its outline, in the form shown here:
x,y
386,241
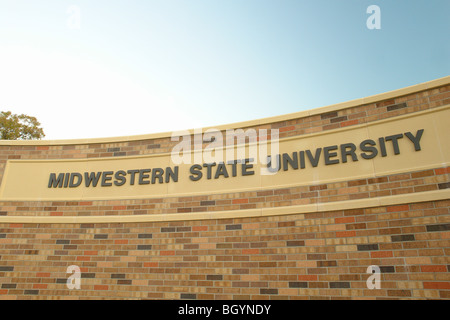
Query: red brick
x,y
307,277
43,274
349,123
385,103
250,251
436,285
101,287
344,220
150,264
440,96
290,128
341,234
403,207
200,228
238,201
381,254
167,253
433,268
420,174
39,286
442,170
83,258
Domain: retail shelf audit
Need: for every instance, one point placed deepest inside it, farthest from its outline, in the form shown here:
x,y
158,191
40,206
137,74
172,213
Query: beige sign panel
x,y
403,144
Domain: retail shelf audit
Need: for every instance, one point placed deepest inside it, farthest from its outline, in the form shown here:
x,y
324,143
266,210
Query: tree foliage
x,y
19,127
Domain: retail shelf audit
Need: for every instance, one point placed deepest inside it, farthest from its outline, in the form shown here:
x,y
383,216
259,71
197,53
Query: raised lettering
x,y
277,166
74,175
54,182
91,178
170,173
157,173
245,167
196,172
314,160
373,151
208,167
293,162
345,153
327,154
120,178
415,139
221,171
394,138
132,173
143,175
107,177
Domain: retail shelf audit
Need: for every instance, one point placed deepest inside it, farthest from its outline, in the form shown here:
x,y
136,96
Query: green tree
x,y
19,127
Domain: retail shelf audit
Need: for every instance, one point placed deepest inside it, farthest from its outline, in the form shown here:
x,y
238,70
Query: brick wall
x,y
321,255
316,255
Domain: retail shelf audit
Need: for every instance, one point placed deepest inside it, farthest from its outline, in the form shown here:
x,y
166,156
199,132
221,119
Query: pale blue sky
x,y
138,67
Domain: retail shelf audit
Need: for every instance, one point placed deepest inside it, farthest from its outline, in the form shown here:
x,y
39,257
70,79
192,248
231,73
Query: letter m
x,y
241,136
55,182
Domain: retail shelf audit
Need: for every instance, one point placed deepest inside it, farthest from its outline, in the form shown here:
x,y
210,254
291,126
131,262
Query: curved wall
x,y
360,183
